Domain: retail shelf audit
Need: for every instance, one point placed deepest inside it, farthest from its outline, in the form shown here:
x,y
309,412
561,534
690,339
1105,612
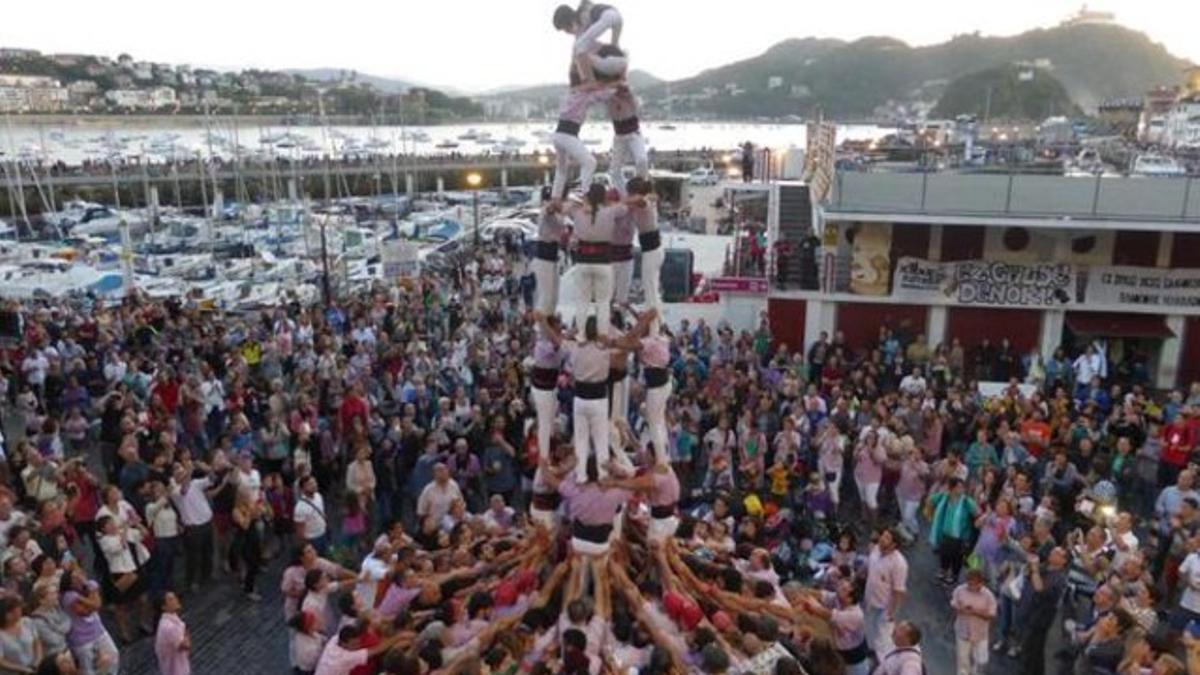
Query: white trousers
x,y
972,657
545,273
662,529
547,519
591,434
622,278
652,262
609,67
545,404
589,548
589,39
908,515
868,493
835,486
879,632
627,150
656,420
619,404
596,288
568,149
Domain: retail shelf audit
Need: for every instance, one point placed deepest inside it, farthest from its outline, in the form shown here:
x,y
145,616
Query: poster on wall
x,y
870,258
988,283
1170,289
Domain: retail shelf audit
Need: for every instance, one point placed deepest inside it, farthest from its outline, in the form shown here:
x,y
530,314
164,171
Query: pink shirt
x,y
168,641
868,464
604,227
622,105
589,361
623,229
849,627
886,574
578,101
666,488
829,455
337,660
911,486
969,626
551,227
656,351
645,219
292,584
546,354
590,504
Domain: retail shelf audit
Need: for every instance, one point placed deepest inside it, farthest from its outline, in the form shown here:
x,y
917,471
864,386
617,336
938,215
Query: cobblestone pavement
x,y
230,634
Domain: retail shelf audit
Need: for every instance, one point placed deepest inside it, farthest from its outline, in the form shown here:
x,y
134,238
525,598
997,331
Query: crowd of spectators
x,y
385,446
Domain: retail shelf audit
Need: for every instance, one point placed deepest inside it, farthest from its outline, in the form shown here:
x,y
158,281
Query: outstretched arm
x,y
630,341
552,333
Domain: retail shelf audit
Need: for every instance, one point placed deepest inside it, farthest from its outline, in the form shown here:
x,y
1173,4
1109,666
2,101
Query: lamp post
x,y
474,179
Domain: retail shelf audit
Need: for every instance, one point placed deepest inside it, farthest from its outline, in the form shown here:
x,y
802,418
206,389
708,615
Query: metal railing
x,y
1019,195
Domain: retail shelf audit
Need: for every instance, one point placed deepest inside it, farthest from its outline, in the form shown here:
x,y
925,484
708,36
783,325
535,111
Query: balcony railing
x,y
1156,199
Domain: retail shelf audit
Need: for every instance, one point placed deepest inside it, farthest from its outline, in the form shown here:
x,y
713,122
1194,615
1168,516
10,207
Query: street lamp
x,y
475,180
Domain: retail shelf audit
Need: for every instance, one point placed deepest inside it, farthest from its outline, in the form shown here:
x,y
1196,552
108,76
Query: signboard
x,y
978,282
743,285
820,158
1168,289
870,258
400,259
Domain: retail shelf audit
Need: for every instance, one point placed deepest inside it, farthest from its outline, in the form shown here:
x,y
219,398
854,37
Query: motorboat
x,y
290,141
105,221
377,144
1086,164
446,145
1157,166
470,135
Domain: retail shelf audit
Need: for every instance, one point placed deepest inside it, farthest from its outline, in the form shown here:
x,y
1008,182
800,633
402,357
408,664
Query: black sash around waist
x,y
656,377
545,250
622,252
544,378
650,240
616,375
855,655
662,512
626,126
597,534
568,127
593,252
591,390
546,501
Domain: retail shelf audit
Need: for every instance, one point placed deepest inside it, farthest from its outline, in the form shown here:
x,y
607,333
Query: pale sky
x,y
474,45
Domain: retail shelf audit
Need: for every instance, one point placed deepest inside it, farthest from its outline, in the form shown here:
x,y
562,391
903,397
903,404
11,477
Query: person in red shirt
x,y
1036,433
1178,440
166,390
354,405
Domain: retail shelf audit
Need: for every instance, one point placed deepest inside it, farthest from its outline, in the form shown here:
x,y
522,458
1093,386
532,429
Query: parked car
x,y
704,176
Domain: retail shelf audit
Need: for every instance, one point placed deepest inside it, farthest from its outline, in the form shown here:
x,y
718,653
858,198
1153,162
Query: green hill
x,y
850,79
1010,92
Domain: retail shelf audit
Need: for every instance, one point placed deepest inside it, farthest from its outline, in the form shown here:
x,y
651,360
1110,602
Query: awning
x,y
1117,325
